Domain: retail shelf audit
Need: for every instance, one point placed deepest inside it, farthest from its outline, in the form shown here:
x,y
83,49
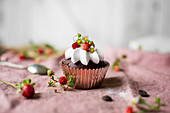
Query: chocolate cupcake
x,y
85,63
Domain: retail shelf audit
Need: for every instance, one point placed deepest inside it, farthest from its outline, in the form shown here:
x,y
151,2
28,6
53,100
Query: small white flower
x,y
135,100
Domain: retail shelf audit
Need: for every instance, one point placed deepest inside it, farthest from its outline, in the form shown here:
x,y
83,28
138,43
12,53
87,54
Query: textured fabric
x,y
142,70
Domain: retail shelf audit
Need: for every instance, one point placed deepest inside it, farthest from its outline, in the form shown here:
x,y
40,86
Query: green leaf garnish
x,y
32,84
141,101
157,100
61,85
57,77
24,82
71,84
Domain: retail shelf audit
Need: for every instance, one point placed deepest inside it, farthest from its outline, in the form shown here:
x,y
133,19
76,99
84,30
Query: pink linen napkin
x,y
143,70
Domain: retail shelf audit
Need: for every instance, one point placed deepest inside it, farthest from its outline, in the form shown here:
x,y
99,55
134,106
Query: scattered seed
x,y
143,93
124,56
55,90
107,98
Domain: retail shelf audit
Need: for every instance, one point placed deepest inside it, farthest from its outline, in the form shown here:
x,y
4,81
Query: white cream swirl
x,y
83,56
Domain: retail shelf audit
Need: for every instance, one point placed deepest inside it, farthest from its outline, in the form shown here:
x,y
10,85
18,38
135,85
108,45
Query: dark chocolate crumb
x,y
107,98
143,93
124,56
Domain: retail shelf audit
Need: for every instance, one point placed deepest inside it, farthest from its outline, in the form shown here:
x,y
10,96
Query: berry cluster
x,y
64,82
36,51
84,43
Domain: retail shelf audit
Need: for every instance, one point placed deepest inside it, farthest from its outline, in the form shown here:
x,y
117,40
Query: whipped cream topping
x,y
83,56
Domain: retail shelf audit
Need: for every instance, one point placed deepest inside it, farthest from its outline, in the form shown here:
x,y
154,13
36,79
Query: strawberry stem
x,y
8,83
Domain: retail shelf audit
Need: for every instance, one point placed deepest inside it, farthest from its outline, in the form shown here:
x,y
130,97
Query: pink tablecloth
x,y
142,70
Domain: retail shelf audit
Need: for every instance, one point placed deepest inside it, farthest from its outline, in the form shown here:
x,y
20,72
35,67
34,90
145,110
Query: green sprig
x,y
116,63
51,75
24,53
150,108
78,35
51,47
18,86
52,83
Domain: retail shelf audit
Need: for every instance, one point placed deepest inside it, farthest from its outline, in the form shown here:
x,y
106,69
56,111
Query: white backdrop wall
x,y
108,22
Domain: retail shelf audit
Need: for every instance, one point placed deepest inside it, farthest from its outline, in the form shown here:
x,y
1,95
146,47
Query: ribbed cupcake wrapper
x,y
85,78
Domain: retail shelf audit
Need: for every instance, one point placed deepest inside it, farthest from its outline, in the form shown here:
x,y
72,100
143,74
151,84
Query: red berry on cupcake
x,y
91,43
75,45
85,46
62,80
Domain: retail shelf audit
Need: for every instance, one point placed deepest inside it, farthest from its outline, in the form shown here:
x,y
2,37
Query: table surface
x,y
141,70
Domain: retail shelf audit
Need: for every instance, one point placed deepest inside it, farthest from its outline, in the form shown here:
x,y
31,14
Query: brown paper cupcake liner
x,y
85,78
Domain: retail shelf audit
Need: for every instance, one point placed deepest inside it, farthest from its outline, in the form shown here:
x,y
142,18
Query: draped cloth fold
x,y
141,70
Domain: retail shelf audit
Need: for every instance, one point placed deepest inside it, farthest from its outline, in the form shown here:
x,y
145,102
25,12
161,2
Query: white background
x,y
108,22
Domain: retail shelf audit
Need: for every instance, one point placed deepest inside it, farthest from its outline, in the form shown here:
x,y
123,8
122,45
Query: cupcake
x,y
85,63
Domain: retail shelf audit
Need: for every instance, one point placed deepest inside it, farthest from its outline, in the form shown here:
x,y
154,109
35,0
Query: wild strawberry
x,y
62,80
116,68
40,50
27,91
75,45
21,56
25,87
85,46
129,109
49,51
